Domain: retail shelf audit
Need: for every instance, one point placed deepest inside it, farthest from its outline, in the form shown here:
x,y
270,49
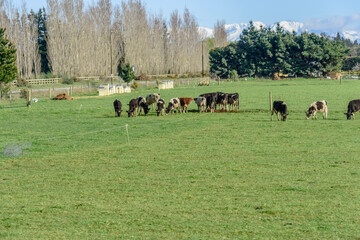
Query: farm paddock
x,y
195,175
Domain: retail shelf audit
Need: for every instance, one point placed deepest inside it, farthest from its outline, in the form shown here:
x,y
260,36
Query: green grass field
x,y
68,172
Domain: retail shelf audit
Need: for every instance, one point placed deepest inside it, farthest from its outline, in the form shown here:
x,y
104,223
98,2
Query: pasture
x,y
68,171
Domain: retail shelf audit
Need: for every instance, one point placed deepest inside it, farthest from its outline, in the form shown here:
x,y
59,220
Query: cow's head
x,y
284,116
118,112
348,115
130,113
146,109
168,109
310,111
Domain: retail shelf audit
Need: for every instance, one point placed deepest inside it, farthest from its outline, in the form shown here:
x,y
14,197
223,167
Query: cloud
x,y
334,23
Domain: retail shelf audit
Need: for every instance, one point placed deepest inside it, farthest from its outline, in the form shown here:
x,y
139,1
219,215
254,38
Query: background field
x,y
187,176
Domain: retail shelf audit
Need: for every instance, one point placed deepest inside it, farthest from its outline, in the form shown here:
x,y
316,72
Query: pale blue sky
x,y
322,14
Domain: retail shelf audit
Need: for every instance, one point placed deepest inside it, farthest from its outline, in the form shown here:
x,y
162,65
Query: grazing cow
x,y
184,102
133,104
117,107
353,107
279,107
210,103
160,107
233,101
319,106
141,101
201,103
174,104
222,99
144,107
152,98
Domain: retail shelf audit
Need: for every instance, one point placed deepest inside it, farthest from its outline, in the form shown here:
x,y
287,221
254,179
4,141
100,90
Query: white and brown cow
x,y
174,104
222,100
319,106
233,101
201,103
152,98
279,107
142,105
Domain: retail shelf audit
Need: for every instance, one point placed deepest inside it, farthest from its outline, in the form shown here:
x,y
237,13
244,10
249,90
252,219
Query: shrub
x,y
143,77
24,93
234,75
4,89
68,80
134,85
22,83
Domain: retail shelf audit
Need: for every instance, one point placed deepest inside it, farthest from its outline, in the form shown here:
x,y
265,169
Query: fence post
x,y
28,99
49,92
270,99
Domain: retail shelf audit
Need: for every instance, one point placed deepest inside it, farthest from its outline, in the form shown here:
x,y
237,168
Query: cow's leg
x,y
277,114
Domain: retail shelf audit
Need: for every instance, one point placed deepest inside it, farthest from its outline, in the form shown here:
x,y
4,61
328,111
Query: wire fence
x,y
350,76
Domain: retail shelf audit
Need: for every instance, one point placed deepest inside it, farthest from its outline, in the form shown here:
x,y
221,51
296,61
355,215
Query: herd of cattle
x,y
225,101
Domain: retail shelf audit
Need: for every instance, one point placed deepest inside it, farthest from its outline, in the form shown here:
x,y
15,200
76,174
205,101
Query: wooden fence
x,y
41,81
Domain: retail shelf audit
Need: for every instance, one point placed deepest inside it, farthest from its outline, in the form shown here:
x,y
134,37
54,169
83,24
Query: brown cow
x,y
184,103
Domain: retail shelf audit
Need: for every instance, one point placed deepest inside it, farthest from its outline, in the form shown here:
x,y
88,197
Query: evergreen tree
x,y
279,57
8,69
247,44
40,21
126,72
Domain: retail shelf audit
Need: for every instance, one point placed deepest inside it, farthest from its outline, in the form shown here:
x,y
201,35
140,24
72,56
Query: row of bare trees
x,y
94,40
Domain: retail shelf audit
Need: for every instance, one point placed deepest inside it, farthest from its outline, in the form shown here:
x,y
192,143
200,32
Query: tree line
x,y
68,38
265,52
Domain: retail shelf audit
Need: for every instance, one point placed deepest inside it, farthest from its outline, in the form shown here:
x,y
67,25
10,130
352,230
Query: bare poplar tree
x,y
220,35
136,35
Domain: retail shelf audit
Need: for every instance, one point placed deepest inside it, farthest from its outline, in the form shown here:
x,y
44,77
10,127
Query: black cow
x,y
160,107
145,107
133,105
210,103
117,107
353,107
279,107
222,100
